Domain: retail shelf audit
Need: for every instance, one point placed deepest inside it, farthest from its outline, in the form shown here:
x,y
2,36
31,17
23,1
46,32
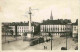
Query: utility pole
x,y
51,39
66,41
51,42
66,35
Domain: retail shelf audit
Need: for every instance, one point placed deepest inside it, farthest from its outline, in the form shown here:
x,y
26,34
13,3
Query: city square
x,y
49,26
57,43
49,35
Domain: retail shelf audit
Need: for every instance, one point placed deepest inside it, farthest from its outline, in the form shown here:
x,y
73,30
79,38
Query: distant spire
x,y
51,17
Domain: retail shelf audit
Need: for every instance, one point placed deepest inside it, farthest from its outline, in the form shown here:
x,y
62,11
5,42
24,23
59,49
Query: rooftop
x,y
17,23
59,21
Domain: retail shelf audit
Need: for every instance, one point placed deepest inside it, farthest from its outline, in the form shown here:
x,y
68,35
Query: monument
x,y
30,34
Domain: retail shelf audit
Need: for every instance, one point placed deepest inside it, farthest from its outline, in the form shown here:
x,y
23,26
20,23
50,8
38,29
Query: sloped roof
x,y
76,23
50,22
18,24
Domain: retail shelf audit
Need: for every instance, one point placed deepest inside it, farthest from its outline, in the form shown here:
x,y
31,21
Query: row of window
x,y
23,27
55,29
42,27
55,33
23,30
54,26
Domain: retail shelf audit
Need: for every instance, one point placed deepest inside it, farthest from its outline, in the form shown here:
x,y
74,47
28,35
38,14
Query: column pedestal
x,y
29,36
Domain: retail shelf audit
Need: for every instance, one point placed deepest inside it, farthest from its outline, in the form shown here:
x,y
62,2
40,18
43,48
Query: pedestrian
x,y
8,41
44,47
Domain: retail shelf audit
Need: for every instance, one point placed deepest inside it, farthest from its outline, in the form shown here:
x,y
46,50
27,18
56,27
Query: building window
x,y
24,30
51,28
58,29
43,28
75,28
47,29
19,30
63,28
20,27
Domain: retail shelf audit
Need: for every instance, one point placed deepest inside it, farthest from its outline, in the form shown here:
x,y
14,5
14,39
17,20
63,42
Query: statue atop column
x,y
29,34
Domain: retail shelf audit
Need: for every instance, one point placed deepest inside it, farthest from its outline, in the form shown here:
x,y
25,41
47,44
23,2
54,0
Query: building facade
x,y
75,28
19,28
23,29
56,27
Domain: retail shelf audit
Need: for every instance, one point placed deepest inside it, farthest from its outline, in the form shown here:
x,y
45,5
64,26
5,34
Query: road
x,y
57,43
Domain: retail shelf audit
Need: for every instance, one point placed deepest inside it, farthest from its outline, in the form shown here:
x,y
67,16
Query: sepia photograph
x,y
39,24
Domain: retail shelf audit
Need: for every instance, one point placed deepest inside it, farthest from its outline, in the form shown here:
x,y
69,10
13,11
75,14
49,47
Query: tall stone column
x,y
29,34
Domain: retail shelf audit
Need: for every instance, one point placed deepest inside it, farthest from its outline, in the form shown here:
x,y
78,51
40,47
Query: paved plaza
x,y
57,43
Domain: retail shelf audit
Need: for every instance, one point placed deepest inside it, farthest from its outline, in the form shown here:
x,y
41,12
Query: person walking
x,y
44,47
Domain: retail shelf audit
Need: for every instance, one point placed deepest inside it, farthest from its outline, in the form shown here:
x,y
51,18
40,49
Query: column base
x,y
29,37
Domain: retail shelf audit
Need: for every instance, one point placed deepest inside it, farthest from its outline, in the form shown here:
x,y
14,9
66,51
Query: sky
x,y
17,10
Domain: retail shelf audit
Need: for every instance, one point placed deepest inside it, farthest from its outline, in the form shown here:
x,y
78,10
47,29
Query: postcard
x,y
39,25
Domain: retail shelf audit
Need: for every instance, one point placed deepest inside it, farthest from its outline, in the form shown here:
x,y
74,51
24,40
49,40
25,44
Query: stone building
x,y
18,28
75,29
56,27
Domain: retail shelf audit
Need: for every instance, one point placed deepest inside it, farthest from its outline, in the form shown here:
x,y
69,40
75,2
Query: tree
x,y
36,30
5,29
11,31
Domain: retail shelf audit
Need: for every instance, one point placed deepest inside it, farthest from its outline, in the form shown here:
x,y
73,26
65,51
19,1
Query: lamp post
x,y
51,42
66,41
66,34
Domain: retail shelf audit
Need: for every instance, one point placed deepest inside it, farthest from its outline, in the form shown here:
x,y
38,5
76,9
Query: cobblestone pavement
x,y
57,43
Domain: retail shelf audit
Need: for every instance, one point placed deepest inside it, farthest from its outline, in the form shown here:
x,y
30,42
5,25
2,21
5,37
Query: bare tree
x,y
6,30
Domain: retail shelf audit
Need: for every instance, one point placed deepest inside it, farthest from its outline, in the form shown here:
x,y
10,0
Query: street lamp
x,y
66,34
51,42
66,41
51,39
67,31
